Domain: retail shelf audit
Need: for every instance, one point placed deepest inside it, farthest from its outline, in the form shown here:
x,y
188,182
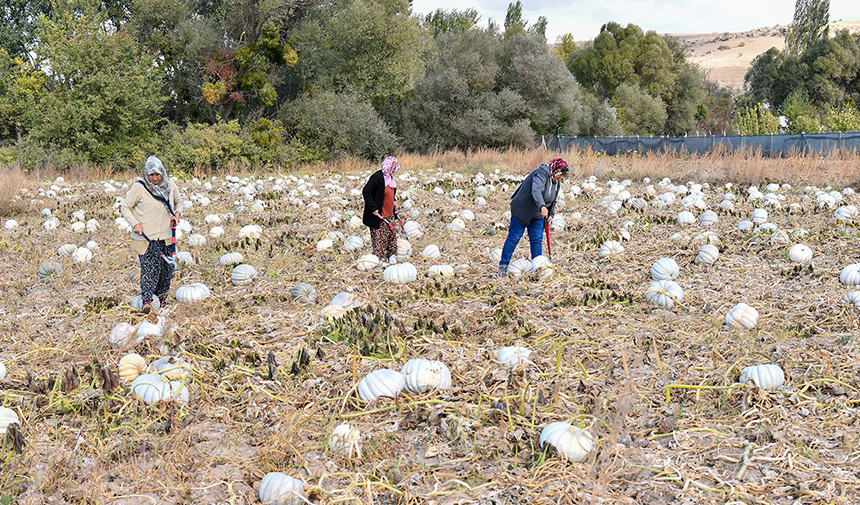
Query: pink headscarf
x,y
389,166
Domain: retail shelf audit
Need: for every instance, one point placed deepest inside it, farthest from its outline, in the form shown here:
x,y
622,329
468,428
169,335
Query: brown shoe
x,y
147,307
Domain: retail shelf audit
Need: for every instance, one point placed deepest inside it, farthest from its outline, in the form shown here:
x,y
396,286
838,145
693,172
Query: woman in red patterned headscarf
x,y
532,204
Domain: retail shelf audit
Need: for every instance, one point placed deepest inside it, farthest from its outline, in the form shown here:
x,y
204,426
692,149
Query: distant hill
x,y
725,57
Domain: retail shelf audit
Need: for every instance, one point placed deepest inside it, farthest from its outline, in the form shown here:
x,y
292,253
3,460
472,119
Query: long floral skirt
x,y
384,242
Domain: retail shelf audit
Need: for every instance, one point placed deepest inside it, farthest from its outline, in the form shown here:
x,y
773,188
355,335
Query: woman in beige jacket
x,y
149,207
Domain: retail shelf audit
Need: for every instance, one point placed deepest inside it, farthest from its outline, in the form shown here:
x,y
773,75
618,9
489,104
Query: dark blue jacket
x,y
537,190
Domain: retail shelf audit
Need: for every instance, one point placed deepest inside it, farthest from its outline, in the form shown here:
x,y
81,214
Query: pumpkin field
x,y
692,338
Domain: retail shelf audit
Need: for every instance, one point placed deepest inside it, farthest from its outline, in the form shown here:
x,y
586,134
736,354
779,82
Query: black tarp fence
x,y
768,145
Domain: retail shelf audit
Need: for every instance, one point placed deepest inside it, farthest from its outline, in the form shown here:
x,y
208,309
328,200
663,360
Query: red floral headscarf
x,y
557,165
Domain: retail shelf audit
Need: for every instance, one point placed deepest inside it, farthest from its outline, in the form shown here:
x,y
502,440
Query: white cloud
x,y
583,18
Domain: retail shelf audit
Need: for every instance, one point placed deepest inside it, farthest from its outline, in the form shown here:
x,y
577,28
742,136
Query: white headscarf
x,y
153,165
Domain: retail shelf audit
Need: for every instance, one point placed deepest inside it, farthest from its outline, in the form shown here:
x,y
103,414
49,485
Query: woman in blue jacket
x,y
532,204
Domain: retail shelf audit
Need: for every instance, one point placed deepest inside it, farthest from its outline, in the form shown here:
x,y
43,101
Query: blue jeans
x,y
515,233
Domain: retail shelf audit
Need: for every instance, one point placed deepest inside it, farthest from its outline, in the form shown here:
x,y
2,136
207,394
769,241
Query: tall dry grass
x,y
12,179
740,167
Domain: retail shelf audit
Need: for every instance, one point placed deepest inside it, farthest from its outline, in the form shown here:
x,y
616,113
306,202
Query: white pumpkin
x,y
708,218
431,252
169,366
610,248
11,224
354,223
496,254
686,217
332,312
423,375
413,230
664,269
137,302
462,269
353,243
800,253
93,226
123,334
346,300
664,293
7,417
192,293
708,254
185,258
196,240
404,250
456,226
151,388
852,297
759,216
146,329
542,267
745,226
514,356
743,316
304,293
231,259
250,231
82,256
216,232
78,227
325,244
280,489
49,270
2,370
442,270
850,275
130,366
381,383
344,440
569,441
520,266
763,376
367,262
401,273
243,274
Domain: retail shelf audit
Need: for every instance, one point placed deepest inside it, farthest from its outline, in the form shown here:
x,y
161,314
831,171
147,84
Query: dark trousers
x,y
155,273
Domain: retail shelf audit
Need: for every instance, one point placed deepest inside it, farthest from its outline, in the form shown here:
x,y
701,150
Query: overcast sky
x,y
583,18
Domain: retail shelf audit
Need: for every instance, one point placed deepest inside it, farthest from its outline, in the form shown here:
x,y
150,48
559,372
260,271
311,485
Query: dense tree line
x,y
209,82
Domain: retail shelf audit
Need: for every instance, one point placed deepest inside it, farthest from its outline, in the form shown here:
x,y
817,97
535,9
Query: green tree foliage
x,y
516,25
335,124
442,21
810,24
756,120
103,94
845,118
801,114
370,48
714,112
18,22
828,73
21,86
645,60
564,46
639,112
487,89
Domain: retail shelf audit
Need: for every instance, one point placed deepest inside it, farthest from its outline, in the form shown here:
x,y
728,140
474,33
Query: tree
x,y
564,46
845,118
21,87
801,114
102,98
441,21
756,120
810,24
18,22
638,112
370,48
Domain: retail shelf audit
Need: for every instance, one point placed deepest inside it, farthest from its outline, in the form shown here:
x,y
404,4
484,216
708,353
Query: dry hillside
x,y
727,56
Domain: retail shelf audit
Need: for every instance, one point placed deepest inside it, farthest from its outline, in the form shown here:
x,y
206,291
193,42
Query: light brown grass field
x,y
657,387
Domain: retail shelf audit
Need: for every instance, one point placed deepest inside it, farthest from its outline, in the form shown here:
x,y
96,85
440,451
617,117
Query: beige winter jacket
x,y
140,207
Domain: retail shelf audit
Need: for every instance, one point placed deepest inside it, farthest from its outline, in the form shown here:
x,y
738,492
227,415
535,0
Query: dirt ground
x,y
657,388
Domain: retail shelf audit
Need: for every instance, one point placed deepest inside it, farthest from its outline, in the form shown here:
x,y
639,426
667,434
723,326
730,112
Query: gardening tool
x,y
548,246
390,222
170,261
